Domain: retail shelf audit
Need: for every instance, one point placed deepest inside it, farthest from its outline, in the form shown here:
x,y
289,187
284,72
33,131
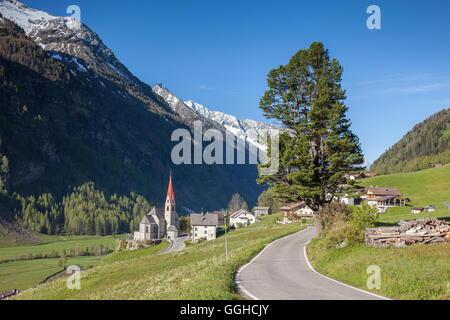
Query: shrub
x,y
148,242
201,240
364,216
188,243
332,214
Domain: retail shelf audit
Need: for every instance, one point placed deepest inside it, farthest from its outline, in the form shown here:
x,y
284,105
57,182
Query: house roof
x,y
172,228
384,191
261,208
208,219
382,198
292,206
238,213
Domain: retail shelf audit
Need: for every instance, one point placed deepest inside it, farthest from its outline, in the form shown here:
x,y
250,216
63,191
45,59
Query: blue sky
x,y
218,53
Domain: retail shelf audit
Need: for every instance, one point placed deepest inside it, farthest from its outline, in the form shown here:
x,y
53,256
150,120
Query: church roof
x,y
158,212
148,219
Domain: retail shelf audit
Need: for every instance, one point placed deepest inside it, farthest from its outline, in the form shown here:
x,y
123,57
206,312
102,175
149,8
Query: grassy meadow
x,y
423,188
26,272
418,272
413,272
197,273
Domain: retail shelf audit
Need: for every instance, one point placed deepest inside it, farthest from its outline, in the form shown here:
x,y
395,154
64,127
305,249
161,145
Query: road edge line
x,y
237,282
334,280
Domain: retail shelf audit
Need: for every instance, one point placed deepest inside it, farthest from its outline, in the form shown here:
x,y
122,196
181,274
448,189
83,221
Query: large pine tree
x,y
319,148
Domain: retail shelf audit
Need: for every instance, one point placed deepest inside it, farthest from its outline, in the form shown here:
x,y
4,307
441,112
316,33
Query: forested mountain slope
x,y
59,130
426,145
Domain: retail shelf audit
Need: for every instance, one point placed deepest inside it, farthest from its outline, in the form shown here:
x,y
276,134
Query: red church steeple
x,y
170,194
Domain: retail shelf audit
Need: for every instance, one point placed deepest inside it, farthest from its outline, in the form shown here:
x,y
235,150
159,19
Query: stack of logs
x,y
426,230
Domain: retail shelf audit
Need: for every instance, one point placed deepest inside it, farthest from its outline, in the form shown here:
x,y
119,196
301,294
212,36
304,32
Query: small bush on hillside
x,y
332,214
364,216
201,240
343,226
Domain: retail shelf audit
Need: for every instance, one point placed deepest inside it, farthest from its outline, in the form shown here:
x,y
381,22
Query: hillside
x,y
423,188
198,273
426,145
71,113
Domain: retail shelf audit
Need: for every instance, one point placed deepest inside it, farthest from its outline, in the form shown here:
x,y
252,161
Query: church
x,y
160,222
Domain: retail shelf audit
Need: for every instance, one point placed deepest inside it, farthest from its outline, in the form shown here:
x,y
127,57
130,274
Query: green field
x,y
198,272
26,273
57,243
416,272
423,188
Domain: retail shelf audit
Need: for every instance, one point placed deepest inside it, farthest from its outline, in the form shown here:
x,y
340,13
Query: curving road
x,y
282,272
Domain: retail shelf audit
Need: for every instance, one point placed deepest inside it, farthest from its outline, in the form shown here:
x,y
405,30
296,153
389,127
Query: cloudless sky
x,y
218,53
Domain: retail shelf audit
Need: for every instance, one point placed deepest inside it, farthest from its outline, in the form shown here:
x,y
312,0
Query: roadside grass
x,y
423,188
418,272
129,255
26,274
200,272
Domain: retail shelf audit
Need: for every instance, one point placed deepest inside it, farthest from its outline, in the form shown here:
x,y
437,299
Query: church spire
x,y
170,193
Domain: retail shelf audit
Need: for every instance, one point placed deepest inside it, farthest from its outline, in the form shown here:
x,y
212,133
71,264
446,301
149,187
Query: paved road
x,y
281,272
178,244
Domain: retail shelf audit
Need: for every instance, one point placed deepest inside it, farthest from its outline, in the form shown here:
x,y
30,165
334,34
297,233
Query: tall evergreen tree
x,y
318,148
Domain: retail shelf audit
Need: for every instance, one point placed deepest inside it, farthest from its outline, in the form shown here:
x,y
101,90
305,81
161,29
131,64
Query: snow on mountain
x,y
179,107
68,40
82,50
247,129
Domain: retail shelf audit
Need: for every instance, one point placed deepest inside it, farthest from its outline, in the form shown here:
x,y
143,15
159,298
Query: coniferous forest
x,y
76,158
426,145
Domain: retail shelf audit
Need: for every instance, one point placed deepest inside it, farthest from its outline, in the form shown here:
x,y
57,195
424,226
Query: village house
x,y
261,211
345,199
299,209
206,225
361,175
160,222
384,197
416,210
242,218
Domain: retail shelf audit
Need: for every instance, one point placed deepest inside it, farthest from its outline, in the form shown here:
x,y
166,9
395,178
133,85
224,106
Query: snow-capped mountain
x,y
63,36
82,50
247,128
99,122
180,108
78,47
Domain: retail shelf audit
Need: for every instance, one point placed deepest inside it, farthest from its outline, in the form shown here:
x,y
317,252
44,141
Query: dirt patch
x,y
13,233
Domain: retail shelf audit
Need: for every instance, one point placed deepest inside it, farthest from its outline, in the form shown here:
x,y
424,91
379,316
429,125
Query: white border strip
x,y
238,283
344,284
168,248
